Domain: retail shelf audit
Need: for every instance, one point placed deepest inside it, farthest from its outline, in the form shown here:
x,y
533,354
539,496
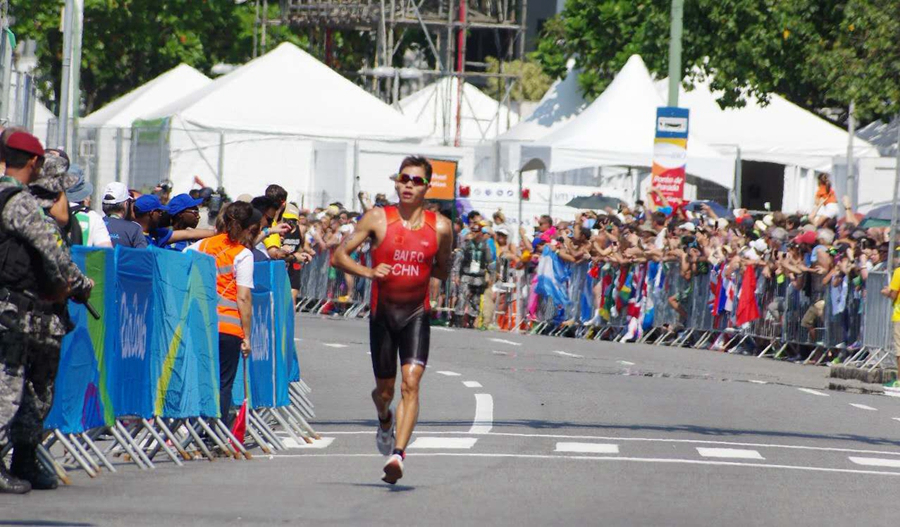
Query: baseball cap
x,y
502,230
778,234
181,203
291,212
147,203
26,143
245,198
115,193
688,226
808,238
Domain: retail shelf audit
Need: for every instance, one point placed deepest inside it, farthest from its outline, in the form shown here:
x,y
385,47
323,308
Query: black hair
x,y
263,203
238,216
17,158
4,137
417,161
277,194
473,214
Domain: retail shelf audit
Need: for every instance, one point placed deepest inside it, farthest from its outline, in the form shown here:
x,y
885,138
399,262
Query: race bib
x,y
475,267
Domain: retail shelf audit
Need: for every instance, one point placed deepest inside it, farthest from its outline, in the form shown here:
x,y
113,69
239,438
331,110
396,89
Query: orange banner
x,y
443,180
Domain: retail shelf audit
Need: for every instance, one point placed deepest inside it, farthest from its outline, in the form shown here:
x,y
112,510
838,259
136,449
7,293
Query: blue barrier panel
x,y
186,344
129,366
273,355
81,400
283,312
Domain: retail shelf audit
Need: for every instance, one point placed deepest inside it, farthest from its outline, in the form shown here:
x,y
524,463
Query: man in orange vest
x,y
234,283
410,246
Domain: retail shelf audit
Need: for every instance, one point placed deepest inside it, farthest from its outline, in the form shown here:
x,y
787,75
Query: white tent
x,y
108,130
562,102
781,133
260,124
150,97
482,117
617,129
43,117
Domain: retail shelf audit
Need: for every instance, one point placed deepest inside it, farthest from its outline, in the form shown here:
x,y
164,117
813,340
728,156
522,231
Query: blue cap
x,y
182,202
82,189
535,242
147,203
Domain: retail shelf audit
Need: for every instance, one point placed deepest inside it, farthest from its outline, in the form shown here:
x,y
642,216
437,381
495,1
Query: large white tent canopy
x,y
288,92
282,118
562,102
482,118
155,94
780,132
618,129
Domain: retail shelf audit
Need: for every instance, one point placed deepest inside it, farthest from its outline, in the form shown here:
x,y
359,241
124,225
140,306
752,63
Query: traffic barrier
x,y
146,373
807,317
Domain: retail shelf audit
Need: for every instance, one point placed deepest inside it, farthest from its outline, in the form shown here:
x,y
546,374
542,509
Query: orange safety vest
x,y
225,251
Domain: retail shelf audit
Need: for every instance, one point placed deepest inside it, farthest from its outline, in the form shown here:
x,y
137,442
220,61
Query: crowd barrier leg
x,y
241,451
176,443
260,442
85,452
75,453
266,430
97,452
161,443
135,444
289,427
198,441
125,445
51,464
215,437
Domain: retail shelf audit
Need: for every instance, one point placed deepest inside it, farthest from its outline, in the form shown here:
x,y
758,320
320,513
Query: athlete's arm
x,y
364,229
441,268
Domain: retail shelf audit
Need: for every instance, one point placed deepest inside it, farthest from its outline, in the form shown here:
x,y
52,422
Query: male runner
x,y
410,246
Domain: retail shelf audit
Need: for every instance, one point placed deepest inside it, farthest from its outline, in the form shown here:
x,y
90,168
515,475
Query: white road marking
x,y
472,384
864,407
368,353
325,442
298,340
754,381
448,373
896,418
333,345
503,341
444,442
500,352
892,394
643,440
813,392
587,448
731,453
567,354
441,328
875,462
626,363
484,414
611,458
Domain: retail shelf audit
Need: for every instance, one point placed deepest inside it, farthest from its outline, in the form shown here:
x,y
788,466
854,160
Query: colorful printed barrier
x,y
273,361
154,350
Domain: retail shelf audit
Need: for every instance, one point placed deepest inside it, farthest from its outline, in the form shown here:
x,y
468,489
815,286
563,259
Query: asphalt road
x,y
523,430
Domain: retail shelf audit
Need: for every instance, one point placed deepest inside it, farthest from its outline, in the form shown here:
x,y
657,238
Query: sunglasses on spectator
x,y
403,179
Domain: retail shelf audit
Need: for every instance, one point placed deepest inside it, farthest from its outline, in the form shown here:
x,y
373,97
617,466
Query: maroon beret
x,y
26,143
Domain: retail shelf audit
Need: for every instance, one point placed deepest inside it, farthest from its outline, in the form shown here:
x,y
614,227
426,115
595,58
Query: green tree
x,y
531,86
817,53
128,42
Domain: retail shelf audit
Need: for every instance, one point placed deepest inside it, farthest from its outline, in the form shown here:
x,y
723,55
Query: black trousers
x,y
229,359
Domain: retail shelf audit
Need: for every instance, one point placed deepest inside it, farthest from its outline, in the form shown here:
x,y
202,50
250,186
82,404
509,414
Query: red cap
x,y
26,143
808,238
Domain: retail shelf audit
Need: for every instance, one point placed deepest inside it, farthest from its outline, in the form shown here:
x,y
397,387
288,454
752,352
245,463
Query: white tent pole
x,y
851,177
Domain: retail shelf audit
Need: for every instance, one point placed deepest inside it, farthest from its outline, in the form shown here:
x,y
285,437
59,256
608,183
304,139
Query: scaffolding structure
x,y
495,27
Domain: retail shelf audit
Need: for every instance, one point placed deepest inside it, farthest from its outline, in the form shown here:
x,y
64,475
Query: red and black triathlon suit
x,y
401,309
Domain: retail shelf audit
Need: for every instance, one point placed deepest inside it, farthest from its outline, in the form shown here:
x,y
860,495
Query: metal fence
x,y
807,318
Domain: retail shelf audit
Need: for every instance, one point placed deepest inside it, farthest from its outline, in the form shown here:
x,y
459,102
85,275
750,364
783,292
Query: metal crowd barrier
x,y
801,318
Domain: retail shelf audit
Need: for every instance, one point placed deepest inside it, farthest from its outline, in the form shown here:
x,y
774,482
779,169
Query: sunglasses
x,y
418,181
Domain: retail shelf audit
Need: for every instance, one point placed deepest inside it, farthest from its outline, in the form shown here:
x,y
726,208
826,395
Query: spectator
x,y
117,206
91,230
184,212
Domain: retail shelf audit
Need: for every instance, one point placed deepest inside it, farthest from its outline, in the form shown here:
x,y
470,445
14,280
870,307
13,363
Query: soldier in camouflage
x,y
36,279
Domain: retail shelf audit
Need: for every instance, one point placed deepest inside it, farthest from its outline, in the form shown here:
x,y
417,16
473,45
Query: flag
x,y
747,310
551,277
239,428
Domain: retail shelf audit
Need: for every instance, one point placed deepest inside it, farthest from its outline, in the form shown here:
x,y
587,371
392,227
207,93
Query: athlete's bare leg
x,y
383,395
408,409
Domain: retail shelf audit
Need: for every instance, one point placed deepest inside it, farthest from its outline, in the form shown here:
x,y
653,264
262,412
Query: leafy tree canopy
x,y
819,54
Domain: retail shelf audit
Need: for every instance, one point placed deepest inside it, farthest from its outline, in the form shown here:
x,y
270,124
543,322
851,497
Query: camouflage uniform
x,y
30,339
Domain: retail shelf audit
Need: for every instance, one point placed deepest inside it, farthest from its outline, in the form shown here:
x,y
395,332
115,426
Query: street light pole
x,y
675,34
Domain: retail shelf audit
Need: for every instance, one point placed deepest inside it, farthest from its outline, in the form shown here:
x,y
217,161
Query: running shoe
x,y
893,385
384,439
393,469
